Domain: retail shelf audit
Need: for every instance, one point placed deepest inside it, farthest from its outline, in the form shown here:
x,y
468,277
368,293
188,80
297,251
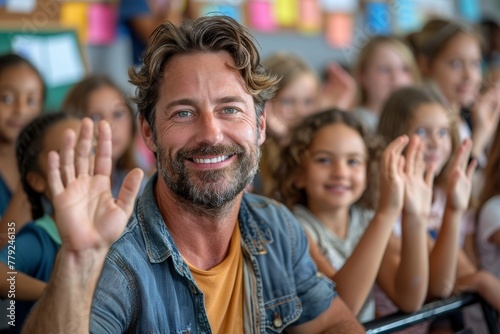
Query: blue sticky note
x,y
378,18
223,9
407,16
469,9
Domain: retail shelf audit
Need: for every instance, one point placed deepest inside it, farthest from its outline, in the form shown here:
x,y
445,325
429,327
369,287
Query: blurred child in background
x,y
22,94
384,64
99,98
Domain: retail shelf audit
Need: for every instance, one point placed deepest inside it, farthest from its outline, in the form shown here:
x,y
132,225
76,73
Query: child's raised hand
x,y
392,178
87,215
419,182
339,89
485,115
460,178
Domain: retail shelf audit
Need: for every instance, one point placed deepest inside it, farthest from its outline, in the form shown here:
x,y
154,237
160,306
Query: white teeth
x,y
211,161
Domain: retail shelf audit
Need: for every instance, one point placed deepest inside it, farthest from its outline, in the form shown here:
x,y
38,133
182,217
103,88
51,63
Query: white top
x,y
368,117
488,223
338,250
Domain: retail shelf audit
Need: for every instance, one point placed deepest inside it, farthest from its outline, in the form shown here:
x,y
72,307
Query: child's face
x,y
52,141
432,124
107,104
334,168
385,71
20,100
457,69
295,101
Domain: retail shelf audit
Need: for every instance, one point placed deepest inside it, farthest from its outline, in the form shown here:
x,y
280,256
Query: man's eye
x,y
230,110
184,113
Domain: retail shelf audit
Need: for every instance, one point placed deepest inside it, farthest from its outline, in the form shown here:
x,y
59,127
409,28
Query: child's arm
x,y
18,211
355,279
404,271
26,287
443,256
482,282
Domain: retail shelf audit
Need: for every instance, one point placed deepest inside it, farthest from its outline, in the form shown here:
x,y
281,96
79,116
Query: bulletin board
x,y
54,51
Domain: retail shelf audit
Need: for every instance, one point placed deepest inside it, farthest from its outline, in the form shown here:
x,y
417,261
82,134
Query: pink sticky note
x,y
101,24
261,15
310,16
339,29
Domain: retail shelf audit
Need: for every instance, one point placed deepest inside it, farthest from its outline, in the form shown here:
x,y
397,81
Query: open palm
x,y
460,178
87,215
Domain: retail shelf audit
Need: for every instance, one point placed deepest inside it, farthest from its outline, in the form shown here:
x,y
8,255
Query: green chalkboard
x,y
55,52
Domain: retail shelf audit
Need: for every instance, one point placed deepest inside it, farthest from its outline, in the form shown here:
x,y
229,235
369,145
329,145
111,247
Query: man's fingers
x,y
129,190
54,174
84,147
67,156
103,162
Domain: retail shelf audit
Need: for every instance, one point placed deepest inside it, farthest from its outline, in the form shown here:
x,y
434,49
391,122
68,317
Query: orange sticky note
x,y
339,29
310,16
261,15
74,15
286,12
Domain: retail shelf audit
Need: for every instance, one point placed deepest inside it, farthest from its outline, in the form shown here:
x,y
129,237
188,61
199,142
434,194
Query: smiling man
x,y
198,255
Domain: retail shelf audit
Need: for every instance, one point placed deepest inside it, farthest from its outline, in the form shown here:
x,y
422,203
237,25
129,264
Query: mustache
x,y
201,150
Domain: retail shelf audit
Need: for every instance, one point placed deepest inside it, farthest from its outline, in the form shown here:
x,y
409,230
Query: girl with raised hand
x,y
36,245
327,168
22,94
419,111
383,65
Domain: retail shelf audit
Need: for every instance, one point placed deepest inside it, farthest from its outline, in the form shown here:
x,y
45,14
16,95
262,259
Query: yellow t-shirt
x,y
223,289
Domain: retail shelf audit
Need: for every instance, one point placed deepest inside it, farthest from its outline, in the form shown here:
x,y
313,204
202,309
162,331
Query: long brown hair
x,y
400,109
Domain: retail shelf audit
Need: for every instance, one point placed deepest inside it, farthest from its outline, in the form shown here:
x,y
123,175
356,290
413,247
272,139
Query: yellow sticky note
x,y
286,12
74,15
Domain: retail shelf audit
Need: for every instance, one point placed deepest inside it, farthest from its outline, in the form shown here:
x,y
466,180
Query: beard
x,y
209,189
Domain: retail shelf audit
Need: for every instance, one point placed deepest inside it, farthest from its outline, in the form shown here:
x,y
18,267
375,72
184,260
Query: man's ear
x,y
262,125
147,134
37,182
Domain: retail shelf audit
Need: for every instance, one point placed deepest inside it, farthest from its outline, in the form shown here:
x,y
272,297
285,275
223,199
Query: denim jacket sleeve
x,y
112,311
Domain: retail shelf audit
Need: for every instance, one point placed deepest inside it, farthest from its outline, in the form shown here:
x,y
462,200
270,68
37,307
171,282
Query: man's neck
x,y
202,239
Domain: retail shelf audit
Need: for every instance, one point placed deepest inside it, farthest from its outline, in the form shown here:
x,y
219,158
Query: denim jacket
x,y
146,287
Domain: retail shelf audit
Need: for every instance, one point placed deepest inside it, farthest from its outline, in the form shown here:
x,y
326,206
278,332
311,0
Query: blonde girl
x,y
383,65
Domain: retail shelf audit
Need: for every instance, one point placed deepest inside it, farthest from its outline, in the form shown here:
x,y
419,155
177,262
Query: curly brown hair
x,y
293,155
209,34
